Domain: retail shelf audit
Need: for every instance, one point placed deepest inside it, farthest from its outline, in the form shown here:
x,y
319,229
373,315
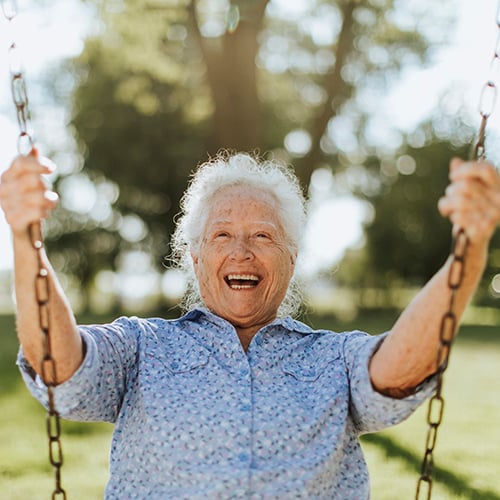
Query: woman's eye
x,y
262,235
221,234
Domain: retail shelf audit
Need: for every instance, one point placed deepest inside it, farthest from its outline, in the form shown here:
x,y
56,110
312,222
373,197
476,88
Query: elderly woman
x,y
236,399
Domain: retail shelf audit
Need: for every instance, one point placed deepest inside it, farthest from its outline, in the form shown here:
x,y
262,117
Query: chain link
x,y
447,332
449,322
25,144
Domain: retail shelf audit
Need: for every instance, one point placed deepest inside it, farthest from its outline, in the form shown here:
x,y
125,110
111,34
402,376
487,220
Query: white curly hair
x,y
240,169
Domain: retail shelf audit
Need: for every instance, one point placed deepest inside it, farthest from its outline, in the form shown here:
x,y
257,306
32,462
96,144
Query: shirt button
x,y
244,457
309,373
259,340
245,407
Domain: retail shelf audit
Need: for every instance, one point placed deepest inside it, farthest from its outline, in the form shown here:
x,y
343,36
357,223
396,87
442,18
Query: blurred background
x,y
367,99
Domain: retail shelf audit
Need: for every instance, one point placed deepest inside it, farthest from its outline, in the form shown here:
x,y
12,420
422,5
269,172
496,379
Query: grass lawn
x,y
467,459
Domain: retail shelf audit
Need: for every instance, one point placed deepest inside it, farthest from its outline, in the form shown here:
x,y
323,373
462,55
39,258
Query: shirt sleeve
x,y
95,391
371,410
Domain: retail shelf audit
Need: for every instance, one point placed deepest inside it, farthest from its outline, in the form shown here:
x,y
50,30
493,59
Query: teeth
x,y
242,281
248,277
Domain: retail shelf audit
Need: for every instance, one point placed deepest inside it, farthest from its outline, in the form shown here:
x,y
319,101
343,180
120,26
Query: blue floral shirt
x,y
196,417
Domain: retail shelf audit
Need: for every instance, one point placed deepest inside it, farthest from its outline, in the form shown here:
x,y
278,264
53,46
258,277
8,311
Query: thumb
x,y
34,152
455,164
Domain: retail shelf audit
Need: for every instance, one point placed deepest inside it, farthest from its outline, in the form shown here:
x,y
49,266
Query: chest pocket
x,y
171,371
170,392
178,353
308,359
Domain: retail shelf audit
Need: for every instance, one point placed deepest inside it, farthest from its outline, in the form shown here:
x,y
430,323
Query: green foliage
x,y
159,85
408,238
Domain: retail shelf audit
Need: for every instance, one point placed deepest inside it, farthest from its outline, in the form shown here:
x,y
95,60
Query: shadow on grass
x,y
454,483
28,469
479,333
72,428
9,375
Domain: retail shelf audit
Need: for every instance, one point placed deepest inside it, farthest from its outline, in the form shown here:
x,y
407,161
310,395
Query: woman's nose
x,y
241,249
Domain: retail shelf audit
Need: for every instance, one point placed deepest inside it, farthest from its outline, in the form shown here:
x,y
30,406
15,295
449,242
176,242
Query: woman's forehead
x,y
245,198
235,204
260,223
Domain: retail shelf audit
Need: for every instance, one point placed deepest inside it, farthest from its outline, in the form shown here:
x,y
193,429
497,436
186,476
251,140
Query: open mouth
x,y
242,281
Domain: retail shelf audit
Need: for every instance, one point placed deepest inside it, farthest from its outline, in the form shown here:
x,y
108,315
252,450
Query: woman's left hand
x,y
472,199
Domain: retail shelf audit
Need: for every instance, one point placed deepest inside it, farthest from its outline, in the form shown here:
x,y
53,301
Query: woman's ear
x,y
194,258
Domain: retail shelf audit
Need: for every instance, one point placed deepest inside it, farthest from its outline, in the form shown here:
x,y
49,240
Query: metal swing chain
x,y
449,320
25,145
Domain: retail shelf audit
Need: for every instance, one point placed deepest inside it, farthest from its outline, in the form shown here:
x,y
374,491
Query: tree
x,y
407,239
165,82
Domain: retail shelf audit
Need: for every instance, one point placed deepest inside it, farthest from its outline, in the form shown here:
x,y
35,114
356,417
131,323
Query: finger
x,y
16,188
48,164
470,196
26,176
476,227
467,189
476,215
455,163
483,171
33,201
28,183
475,180
28,164
35,206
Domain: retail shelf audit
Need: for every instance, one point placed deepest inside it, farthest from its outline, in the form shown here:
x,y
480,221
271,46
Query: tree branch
x,y
335,88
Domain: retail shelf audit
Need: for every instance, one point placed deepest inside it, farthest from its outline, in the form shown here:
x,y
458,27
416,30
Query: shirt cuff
x,y
68,394
375,411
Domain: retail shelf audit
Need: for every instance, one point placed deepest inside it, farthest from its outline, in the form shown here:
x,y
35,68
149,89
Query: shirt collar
x,y
286,322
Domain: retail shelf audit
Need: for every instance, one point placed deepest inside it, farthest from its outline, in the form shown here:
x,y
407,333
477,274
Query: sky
x,y
55,30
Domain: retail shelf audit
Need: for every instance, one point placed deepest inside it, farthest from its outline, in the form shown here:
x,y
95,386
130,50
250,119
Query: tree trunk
x,y
336,91
232,76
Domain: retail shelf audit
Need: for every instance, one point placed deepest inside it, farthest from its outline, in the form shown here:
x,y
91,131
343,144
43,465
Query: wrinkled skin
x,y
244,264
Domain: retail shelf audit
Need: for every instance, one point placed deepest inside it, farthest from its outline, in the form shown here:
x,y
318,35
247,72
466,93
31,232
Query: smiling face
x,y
243,264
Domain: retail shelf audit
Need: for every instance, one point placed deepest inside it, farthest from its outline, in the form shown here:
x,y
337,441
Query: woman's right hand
x,y
24,195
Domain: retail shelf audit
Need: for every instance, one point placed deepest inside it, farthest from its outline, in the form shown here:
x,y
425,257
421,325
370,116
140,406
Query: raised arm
x,y
25,199
408,355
